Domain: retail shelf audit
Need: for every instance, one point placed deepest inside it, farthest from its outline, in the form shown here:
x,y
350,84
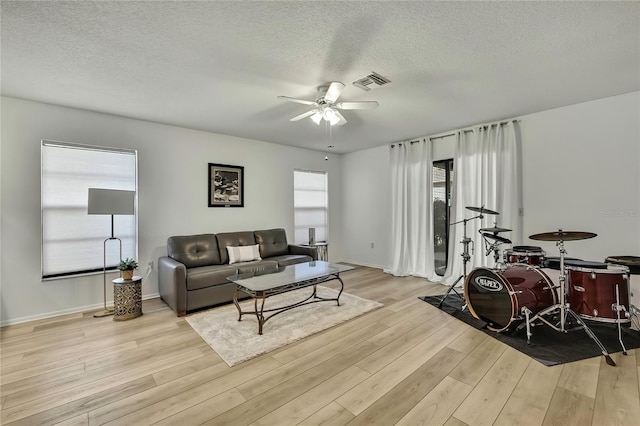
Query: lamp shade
x,y
111,201
317,117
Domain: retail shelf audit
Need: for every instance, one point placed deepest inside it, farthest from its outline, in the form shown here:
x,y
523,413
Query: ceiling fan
x,y
326,106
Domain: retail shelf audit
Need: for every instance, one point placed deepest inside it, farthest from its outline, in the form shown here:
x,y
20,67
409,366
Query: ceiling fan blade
x,y
333,92
303,115
300,101
341,120
357,105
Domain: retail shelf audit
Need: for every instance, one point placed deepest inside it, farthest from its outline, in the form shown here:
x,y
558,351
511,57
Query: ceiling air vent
x,y
371,81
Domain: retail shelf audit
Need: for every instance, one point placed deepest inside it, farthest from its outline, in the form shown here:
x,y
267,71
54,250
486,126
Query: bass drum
x,y
496,296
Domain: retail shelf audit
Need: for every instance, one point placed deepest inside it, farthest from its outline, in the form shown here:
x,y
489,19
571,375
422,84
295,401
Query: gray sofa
x,y
194,273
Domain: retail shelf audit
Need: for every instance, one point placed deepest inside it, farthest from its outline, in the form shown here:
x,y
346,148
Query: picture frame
x,y
226,185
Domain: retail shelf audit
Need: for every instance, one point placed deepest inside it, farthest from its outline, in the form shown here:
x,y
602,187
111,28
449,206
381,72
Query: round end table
x,y
127,298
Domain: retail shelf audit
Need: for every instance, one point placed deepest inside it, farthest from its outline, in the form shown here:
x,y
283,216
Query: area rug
x,y
238,341
549,347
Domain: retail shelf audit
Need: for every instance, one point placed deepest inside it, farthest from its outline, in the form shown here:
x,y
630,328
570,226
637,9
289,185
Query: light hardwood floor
x,y
407,363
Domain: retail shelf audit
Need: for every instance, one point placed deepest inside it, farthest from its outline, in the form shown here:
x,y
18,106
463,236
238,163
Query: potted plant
x,y
126,267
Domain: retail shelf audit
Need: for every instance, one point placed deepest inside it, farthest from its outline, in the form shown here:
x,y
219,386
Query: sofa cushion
x,y
207,276
272,242
194,250
233,239
243,253
258,268
291,259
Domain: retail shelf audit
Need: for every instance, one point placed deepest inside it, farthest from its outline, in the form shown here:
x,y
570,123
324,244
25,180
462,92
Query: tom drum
x,y
497,296
591,291
633,263
529,255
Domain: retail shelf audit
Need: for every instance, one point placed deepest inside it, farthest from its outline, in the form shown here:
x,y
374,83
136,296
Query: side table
x,y
322,249
127,298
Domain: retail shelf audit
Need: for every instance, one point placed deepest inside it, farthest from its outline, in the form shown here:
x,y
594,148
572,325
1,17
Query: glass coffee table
x,y
261,285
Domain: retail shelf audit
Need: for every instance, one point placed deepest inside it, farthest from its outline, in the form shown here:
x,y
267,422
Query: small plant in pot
x,y
126,268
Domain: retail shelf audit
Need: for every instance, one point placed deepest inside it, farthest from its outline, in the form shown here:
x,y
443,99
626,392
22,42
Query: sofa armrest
x,y
172,283
305,250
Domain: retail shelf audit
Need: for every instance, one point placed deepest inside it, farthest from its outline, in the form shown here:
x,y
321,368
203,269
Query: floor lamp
x,y
110,202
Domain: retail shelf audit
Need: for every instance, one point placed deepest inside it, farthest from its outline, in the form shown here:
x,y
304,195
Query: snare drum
x,y
591,290
497,296
529,255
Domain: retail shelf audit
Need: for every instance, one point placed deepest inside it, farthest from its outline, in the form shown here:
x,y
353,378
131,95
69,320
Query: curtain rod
x,y
409,142
466,130
471,129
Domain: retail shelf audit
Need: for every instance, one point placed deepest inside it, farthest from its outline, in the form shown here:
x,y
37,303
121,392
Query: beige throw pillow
x,y
243,253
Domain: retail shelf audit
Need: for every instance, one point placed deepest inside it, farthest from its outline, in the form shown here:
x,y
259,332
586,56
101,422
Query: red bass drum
x,y
496,296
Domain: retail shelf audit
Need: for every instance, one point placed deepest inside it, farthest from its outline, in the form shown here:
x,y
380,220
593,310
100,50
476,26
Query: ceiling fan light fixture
x,y
327,107
317,117
330,115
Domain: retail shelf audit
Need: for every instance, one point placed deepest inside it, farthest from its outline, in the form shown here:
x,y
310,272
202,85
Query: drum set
x,y
518,293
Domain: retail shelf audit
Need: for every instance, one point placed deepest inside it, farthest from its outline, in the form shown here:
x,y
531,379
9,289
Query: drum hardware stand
x,y
465,258
495,245
617,307
495,248
564,311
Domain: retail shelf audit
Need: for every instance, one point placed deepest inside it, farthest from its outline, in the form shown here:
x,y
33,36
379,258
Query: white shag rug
x,y
238,341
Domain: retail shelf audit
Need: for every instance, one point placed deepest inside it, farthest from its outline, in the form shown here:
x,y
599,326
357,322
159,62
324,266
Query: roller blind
x,y
72,240
310,205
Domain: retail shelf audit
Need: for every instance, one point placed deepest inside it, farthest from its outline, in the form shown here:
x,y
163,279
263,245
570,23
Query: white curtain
x,y
411,210
486,173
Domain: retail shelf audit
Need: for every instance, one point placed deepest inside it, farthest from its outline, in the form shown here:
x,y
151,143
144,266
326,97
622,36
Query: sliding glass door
x,y
442,183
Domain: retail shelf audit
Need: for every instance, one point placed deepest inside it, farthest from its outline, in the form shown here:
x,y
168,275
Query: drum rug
x,y
548,346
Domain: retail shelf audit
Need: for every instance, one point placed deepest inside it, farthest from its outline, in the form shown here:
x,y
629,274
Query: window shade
x,y
72,240
310,205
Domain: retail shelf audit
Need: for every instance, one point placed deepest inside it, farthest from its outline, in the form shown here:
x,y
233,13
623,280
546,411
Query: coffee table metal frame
x,y
260,293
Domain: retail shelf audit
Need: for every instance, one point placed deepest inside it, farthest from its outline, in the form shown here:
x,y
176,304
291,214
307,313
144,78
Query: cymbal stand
x,y
565,310
465,258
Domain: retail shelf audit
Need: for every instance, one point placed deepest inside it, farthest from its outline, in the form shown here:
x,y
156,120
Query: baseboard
x,y
64,312
359,263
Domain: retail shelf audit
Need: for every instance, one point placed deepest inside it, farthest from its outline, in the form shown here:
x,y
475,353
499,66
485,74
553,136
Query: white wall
x,y
580,172
172,196
365,210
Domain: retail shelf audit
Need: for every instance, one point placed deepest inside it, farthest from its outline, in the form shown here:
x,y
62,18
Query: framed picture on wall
x,y
226,185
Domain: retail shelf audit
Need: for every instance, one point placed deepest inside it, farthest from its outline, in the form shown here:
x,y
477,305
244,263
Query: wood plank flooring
x,y
406,364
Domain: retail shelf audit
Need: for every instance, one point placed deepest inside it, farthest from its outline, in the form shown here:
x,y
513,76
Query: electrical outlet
x,y
150,264
371,245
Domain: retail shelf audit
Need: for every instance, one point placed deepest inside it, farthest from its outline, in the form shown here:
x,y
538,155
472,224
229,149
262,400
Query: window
x,y
72,240
442,182
310,205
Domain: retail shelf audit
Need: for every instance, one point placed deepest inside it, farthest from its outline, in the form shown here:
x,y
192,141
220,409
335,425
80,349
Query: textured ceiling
x,y
219,66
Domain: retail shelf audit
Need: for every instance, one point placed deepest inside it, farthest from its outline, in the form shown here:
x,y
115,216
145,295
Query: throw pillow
x,y
243,254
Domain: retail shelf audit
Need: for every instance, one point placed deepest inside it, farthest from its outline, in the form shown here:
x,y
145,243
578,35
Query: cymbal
x,y
497,238
495,229
561,235
481,210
